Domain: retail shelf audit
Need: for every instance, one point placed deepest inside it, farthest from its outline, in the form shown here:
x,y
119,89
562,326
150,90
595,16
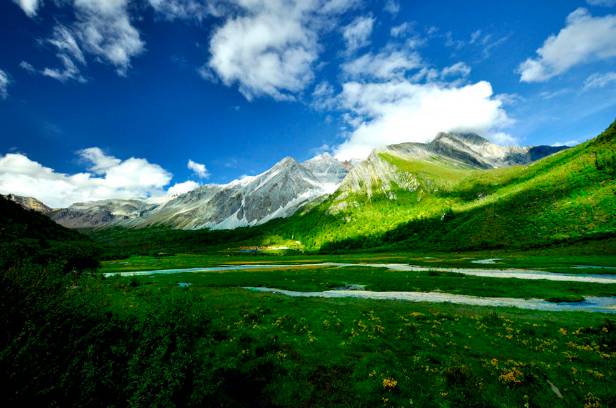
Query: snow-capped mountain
x,y
278,192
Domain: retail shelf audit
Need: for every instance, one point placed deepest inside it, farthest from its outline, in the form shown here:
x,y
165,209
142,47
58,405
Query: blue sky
x,y
112,98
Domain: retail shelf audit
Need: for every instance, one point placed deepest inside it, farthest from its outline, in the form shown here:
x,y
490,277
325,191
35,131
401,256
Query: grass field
x,y
86,340
274,350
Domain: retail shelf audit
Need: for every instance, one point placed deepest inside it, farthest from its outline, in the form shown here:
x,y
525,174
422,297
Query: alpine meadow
x,y
307,203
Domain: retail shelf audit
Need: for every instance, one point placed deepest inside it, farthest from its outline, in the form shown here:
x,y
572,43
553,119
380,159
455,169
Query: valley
x,y
423,276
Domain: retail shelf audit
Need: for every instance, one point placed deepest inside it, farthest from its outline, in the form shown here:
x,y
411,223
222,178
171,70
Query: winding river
x,y
483,272
590,304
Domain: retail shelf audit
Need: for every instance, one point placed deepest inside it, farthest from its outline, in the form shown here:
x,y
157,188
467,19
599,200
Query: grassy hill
x,y
29,237
565,197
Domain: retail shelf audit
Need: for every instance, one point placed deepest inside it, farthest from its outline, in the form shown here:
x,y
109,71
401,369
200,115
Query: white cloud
x,y
113,178
392,7
28,6
4,84
68,71
357,33
99,161
102,29
475,37
199,169
400,111
182,188
401,30
604,3
457,69
69,53
66,43
105,30
583,39
25,65
572,142
600,80
268,47
324,96
384,65
186,9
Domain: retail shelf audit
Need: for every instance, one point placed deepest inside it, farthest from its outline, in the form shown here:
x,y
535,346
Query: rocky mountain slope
x,y
450,150
29,203
278,192
100,213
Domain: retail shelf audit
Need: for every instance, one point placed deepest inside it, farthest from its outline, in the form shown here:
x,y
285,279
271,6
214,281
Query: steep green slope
x,y
564,197
28,237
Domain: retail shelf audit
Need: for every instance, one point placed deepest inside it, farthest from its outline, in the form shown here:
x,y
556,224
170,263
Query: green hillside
x,y
28,237
565,197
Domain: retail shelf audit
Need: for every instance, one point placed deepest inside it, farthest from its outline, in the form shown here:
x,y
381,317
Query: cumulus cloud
x,y
583,39
357,33
600,80
268,47
4,84
29,7
384,65
108,178
401,111
199,169
99,161
182,188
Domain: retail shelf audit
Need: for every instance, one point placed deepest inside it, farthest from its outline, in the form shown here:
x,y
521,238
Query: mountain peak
x,y
463,137
286,162
29,203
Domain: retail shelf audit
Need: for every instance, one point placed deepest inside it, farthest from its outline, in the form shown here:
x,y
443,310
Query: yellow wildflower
x,y
512,376
389,383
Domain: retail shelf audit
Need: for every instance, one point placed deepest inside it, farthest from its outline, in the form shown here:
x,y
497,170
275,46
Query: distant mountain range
x,y
288,186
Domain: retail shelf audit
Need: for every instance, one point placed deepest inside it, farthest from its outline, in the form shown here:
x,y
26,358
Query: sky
x,y
151,98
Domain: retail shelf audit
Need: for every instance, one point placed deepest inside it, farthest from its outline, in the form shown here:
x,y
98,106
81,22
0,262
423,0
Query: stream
x,y
590,304
482,272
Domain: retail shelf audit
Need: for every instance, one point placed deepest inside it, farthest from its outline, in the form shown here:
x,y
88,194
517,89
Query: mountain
x,y
460,192
449,150
100,213
29,203
278,192
288,186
